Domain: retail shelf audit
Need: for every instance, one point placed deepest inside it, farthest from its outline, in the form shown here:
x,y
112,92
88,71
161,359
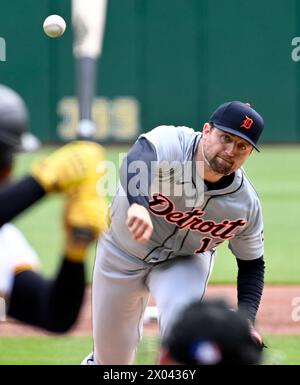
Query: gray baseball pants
x,y
121,288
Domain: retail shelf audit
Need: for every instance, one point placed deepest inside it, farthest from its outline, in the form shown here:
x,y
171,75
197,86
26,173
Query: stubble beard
x,y
219,168
215,165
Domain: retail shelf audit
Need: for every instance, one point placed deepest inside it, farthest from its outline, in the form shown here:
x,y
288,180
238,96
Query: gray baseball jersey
x,y
183,228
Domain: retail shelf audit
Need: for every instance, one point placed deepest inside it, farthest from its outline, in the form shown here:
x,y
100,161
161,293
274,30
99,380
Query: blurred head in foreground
x,y
209,333
13,129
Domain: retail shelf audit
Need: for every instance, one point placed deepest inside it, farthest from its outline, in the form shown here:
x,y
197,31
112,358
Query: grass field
x,y
274,173
283,350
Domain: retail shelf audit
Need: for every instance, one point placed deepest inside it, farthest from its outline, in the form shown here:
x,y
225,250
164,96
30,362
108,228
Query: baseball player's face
x,y
224,152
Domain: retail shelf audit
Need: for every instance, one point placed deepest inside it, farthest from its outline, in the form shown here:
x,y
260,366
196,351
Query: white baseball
x,y
54,26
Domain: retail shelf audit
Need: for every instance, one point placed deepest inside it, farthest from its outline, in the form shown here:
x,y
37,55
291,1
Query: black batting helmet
x,y
13,118
209,333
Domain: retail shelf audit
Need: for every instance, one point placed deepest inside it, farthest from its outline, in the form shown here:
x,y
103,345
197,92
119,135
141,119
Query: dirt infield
x,y
278,306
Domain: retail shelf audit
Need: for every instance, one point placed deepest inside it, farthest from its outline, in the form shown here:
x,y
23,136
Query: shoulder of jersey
x,y
182,129
248,183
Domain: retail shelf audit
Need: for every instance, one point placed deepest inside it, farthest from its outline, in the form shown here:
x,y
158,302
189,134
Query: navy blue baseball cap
x,y
240,119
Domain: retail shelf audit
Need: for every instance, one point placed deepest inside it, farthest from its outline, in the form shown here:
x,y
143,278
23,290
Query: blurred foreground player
x,y
52,304
209,333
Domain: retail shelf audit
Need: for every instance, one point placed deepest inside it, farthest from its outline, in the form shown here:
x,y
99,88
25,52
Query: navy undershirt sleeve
x,y
17,197
135,180
250,284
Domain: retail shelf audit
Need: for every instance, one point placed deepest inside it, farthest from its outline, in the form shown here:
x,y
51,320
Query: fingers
x,y
130,222
140,229
139,223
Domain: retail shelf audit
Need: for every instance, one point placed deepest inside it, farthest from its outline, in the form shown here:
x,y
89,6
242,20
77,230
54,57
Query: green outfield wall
x,y
163,62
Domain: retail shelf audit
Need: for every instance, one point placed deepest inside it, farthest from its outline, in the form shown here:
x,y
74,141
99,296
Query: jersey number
x,y
206,245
